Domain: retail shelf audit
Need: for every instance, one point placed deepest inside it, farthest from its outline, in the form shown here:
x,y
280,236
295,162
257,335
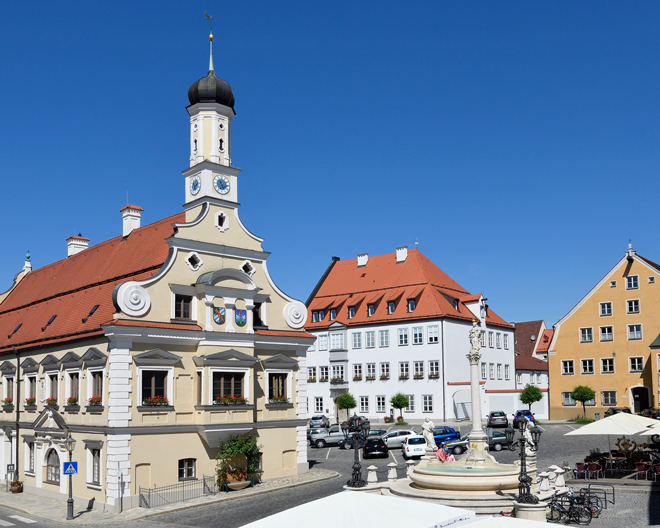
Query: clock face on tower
x,y
195,184
221,184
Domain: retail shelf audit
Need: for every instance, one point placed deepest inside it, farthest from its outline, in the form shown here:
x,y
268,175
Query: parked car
x,y
413,446
375,446
651,413
496,441
497,419
330,436
445,434
310,432
396,438
347,443
319,420
616,410
527,414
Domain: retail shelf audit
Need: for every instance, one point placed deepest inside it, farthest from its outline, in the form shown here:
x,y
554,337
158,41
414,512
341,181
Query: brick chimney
x,y
131,218
76,244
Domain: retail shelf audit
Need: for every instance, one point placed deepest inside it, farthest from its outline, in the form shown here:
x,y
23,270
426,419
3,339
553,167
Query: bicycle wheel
x,y
581,515
553,513
595,510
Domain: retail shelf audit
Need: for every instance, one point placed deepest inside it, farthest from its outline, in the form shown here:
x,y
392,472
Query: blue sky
x,y
517,142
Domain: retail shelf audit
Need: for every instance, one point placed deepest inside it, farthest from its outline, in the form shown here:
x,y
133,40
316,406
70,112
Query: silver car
x,y
396,438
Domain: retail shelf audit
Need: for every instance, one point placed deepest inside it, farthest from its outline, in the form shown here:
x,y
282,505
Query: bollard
x,y
545,481
391,473
411,466
552,469
560,482
372,476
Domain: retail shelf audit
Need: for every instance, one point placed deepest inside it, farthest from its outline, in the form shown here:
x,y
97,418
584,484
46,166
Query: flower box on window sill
x,y
230,400
30,402
52,403
71,408
31,407
434,376
95,400
155,408
335,381
155,401
418,376
403,377
311,380
384,377
357,378
323,380
279,400
214,407
370,378
94,408
8,407
279,405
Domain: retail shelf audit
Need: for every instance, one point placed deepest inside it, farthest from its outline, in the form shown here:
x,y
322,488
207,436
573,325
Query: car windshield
x,y
497,414
415,441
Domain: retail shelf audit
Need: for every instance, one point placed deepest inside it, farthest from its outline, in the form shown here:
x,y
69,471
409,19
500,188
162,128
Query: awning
x,y
213,435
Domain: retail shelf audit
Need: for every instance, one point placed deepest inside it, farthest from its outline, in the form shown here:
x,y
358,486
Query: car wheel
x,y
458,450
320,443
497,447
309,442
655,439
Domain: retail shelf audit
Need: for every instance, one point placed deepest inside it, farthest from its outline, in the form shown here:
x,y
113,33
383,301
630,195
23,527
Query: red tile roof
x,y
523,334
530,363
383,280
544,342
152,324
70,288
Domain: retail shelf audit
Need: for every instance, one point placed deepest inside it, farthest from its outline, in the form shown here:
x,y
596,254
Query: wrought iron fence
x,y
183,491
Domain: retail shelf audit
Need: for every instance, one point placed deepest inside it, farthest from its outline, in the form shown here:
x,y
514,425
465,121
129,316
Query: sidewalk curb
x,y
184,506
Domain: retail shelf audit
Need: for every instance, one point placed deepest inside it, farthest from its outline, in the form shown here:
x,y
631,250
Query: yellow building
x,y
610,342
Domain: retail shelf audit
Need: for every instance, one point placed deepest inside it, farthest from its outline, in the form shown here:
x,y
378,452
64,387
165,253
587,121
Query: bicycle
x,y
567,509
587,500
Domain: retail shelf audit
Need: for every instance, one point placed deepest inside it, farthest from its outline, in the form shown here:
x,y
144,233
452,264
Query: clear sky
x,y
516,141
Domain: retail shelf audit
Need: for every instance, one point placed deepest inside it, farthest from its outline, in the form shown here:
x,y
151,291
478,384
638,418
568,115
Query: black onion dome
x,y
211,89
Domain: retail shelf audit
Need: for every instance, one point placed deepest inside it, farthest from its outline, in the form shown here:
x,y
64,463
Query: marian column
x,y
477,439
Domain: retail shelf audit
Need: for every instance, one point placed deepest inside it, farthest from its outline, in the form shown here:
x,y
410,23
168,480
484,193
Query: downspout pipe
x,y
18,413
444,381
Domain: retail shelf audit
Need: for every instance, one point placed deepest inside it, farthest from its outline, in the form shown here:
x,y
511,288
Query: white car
x,y
395,438
413,446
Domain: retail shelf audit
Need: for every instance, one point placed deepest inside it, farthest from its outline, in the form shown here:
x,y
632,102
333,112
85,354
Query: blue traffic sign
x,y
70,468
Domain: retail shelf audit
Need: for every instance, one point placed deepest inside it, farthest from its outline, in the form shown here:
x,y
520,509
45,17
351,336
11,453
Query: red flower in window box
x,y
153,401
278,399
230,400
30,401
51,401
95,400
8,401
72,401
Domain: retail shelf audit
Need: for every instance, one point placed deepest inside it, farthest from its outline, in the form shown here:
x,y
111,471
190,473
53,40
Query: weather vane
x,y
210,19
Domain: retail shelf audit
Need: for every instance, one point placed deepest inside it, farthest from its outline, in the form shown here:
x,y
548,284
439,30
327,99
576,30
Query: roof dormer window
x,y
411,305
351,312
371,308
333,314
390,307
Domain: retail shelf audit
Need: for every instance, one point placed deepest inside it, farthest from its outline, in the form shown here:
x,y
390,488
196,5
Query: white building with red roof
x,y
397,323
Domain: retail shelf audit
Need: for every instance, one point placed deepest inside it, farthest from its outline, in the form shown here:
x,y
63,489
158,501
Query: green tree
x,y
583,394
530,394
399,401
346,401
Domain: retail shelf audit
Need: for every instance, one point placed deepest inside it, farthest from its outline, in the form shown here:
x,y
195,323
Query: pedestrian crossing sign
x,y
70,468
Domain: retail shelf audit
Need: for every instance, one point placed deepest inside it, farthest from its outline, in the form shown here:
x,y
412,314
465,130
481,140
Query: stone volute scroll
x,y
132,299
295,314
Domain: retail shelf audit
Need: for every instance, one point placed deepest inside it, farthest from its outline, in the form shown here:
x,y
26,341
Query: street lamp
x,y
524,487
70,444
359,430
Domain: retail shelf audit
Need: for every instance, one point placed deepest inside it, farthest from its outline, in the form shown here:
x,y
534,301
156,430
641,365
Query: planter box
x,y
72,408
279,406
215,407
31,407
95,408
8,408
155,408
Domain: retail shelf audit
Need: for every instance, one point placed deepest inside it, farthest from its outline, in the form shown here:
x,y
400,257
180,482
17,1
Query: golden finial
x,y
210,19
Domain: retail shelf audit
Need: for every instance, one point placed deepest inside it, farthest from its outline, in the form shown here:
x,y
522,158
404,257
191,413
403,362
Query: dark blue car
x,y
444,434
526,414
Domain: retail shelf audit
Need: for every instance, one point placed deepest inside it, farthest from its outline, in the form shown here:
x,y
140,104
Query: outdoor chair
x,y
642,468
656,472
595,469
579,468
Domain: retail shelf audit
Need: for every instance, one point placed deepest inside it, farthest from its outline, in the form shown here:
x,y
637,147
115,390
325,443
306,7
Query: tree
x,y
346,401
530,394
399,401
583,394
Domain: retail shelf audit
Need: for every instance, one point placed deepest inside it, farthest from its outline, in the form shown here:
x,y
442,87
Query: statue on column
x,y
475,336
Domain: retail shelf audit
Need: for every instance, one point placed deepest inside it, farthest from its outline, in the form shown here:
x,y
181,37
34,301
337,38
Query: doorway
x,y
640,399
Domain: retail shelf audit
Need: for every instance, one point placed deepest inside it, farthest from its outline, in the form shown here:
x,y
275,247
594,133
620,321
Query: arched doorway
x,y
640,399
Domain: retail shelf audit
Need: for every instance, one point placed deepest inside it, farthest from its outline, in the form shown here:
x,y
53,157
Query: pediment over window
x,y
50,362
280,362
49,421
29,365
212,278
70,361
7,368
94,358
156,357
337,326
654,345
228,358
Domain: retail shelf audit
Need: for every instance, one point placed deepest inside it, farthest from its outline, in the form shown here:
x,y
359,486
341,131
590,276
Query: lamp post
x,y
70,444
359,430
524,480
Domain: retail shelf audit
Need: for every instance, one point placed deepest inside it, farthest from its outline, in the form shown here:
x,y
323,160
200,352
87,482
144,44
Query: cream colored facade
x,y
608,342
214,264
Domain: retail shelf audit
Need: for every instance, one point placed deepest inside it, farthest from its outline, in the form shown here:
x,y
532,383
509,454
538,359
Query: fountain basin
x,y
463,478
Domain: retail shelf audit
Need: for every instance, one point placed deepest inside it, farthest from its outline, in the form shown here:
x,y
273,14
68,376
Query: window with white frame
x,y
187,469
411,305
318,404
411,403
31,387
419,369
567,367
371,371
357,339
93,465
433,333
384,338
95,383
607,365
380,404
427,403
364,404
498,340
333,314
337,341
587,366
651,280
418,335
507,372
404,370
182,306
225,383
370,339
434,368
52,386
606,333
519,378
390,307
72,387
483,370
351,312
491,371
370,309
612,284
632,282
567,399
279,385
315,316
384,371
30,458
8,391
609,398
154,385
483,339
586,335
499,371
506,341
311,373
324,373
632,306
53,467
634,331
357,371
605,309
636,364
490,339
337,372
323,342
403,336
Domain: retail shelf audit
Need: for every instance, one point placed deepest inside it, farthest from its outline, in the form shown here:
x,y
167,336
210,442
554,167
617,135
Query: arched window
x,y
53,467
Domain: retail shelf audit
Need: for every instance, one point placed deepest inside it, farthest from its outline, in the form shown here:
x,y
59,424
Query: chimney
x,y
401,253
362,259
76,244
131,217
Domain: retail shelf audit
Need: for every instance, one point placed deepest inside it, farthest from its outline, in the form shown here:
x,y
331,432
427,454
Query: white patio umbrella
x,y
617,424
355,509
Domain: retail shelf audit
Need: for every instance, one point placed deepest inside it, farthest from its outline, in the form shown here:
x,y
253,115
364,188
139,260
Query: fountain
x,y
478,481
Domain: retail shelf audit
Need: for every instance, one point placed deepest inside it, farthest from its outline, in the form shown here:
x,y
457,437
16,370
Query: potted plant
x,y
72,401
94,401
235,452
29,402
51,402
16,486
155,401
8,402
278,399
